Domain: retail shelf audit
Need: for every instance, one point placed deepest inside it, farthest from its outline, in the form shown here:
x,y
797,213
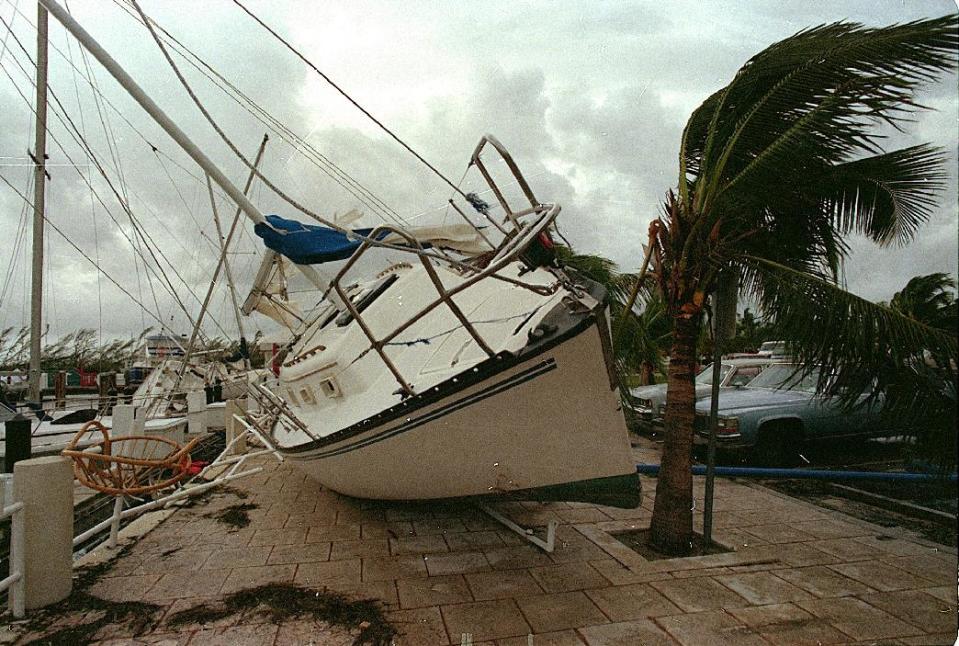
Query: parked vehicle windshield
x,y
784,376
705,378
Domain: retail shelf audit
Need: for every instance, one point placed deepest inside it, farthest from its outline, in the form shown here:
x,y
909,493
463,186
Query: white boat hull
x,y
550,427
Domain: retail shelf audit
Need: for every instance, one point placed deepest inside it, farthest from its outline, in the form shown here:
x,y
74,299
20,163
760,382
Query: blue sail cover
x,y
307,244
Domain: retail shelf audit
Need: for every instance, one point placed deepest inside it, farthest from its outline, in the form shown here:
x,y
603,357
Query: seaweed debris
x,y
135,617
283,601
234,515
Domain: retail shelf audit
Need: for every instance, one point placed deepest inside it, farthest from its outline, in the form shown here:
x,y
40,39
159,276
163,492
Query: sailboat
x,y
477,366
445,379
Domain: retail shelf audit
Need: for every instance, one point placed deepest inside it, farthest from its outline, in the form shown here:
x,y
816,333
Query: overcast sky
x,y
591,97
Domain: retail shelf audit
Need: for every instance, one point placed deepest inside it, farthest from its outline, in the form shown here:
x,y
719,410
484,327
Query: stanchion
x,y
17,442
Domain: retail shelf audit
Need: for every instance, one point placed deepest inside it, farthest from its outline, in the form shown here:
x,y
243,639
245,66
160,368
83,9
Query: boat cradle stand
x,y
525,532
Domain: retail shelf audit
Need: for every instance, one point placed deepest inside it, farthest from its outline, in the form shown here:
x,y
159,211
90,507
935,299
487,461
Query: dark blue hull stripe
x,y
519,378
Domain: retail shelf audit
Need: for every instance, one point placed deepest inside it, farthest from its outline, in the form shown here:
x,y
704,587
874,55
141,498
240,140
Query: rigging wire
x,y
296,205
17,247
345,95
236,151
3,50
264,117
115,157
138,230
416,251
102,97
93,209
88,258
189,209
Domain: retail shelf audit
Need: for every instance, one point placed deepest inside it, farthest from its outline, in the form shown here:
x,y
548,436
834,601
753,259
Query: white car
x,y
647,403
773,349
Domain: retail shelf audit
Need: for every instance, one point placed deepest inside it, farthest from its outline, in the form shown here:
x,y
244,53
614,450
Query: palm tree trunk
x,y
671,529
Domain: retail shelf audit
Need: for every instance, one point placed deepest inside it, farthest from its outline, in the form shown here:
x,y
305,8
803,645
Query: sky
x,y
590,97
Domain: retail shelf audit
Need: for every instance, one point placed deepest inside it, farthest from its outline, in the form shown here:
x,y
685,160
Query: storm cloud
x,y
591,98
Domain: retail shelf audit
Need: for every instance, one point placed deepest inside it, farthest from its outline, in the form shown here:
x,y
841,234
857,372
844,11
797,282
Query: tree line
x,y
82,350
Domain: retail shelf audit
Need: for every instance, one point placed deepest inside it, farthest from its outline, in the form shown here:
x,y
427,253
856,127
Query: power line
x,y
348,97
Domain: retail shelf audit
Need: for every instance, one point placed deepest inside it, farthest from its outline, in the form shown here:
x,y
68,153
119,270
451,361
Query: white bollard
x,y
196,411
233,427
124,420
45,487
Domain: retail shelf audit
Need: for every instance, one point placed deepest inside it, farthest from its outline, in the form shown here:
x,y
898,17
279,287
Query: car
x,y
774,349
647,403
769,419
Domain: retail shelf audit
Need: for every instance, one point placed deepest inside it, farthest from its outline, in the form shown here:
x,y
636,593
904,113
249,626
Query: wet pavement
x,y
449,574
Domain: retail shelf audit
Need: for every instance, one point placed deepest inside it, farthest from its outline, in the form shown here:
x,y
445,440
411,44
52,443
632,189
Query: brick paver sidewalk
x,y
448,574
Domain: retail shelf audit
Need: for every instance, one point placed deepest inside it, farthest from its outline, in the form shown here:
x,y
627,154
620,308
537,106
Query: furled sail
x,y
307,244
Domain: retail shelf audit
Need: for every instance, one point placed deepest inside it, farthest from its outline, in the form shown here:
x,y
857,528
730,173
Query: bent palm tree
x,y
775,169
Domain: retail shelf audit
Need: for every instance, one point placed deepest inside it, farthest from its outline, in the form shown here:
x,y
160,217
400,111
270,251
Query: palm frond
x,y
810,101
857,344
642,337
886,197
597,268
694,141
929,299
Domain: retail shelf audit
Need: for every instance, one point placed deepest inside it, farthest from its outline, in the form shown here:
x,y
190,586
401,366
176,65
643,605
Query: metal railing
x,y
515,242
15,579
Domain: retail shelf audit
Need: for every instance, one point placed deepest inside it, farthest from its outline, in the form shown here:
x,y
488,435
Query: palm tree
x,y
929,299
641,338
775,169
923,399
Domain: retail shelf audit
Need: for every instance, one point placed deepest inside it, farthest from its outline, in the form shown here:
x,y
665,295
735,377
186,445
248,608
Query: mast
x,y
224,245
229,281
39,156
137,93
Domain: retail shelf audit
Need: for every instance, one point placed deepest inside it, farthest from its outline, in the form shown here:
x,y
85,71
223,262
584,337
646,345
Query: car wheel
x,y
777,446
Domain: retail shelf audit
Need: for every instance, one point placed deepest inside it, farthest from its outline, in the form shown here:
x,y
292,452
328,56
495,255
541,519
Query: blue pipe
x,y
807,474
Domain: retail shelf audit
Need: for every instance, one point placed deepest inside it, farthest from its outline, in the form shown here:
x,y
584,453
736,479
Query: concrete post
x,y
60,390
17,442
123,420
233,427
196,411
45,487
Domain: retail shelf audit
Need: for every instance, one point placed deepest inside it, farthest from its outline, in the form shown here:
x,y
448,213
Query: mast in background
x,y
39,156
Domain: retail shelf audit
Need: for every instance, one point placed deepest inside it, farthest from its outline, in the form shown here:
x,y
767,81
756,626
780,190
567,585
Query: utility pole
x,y
724,329
39,157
